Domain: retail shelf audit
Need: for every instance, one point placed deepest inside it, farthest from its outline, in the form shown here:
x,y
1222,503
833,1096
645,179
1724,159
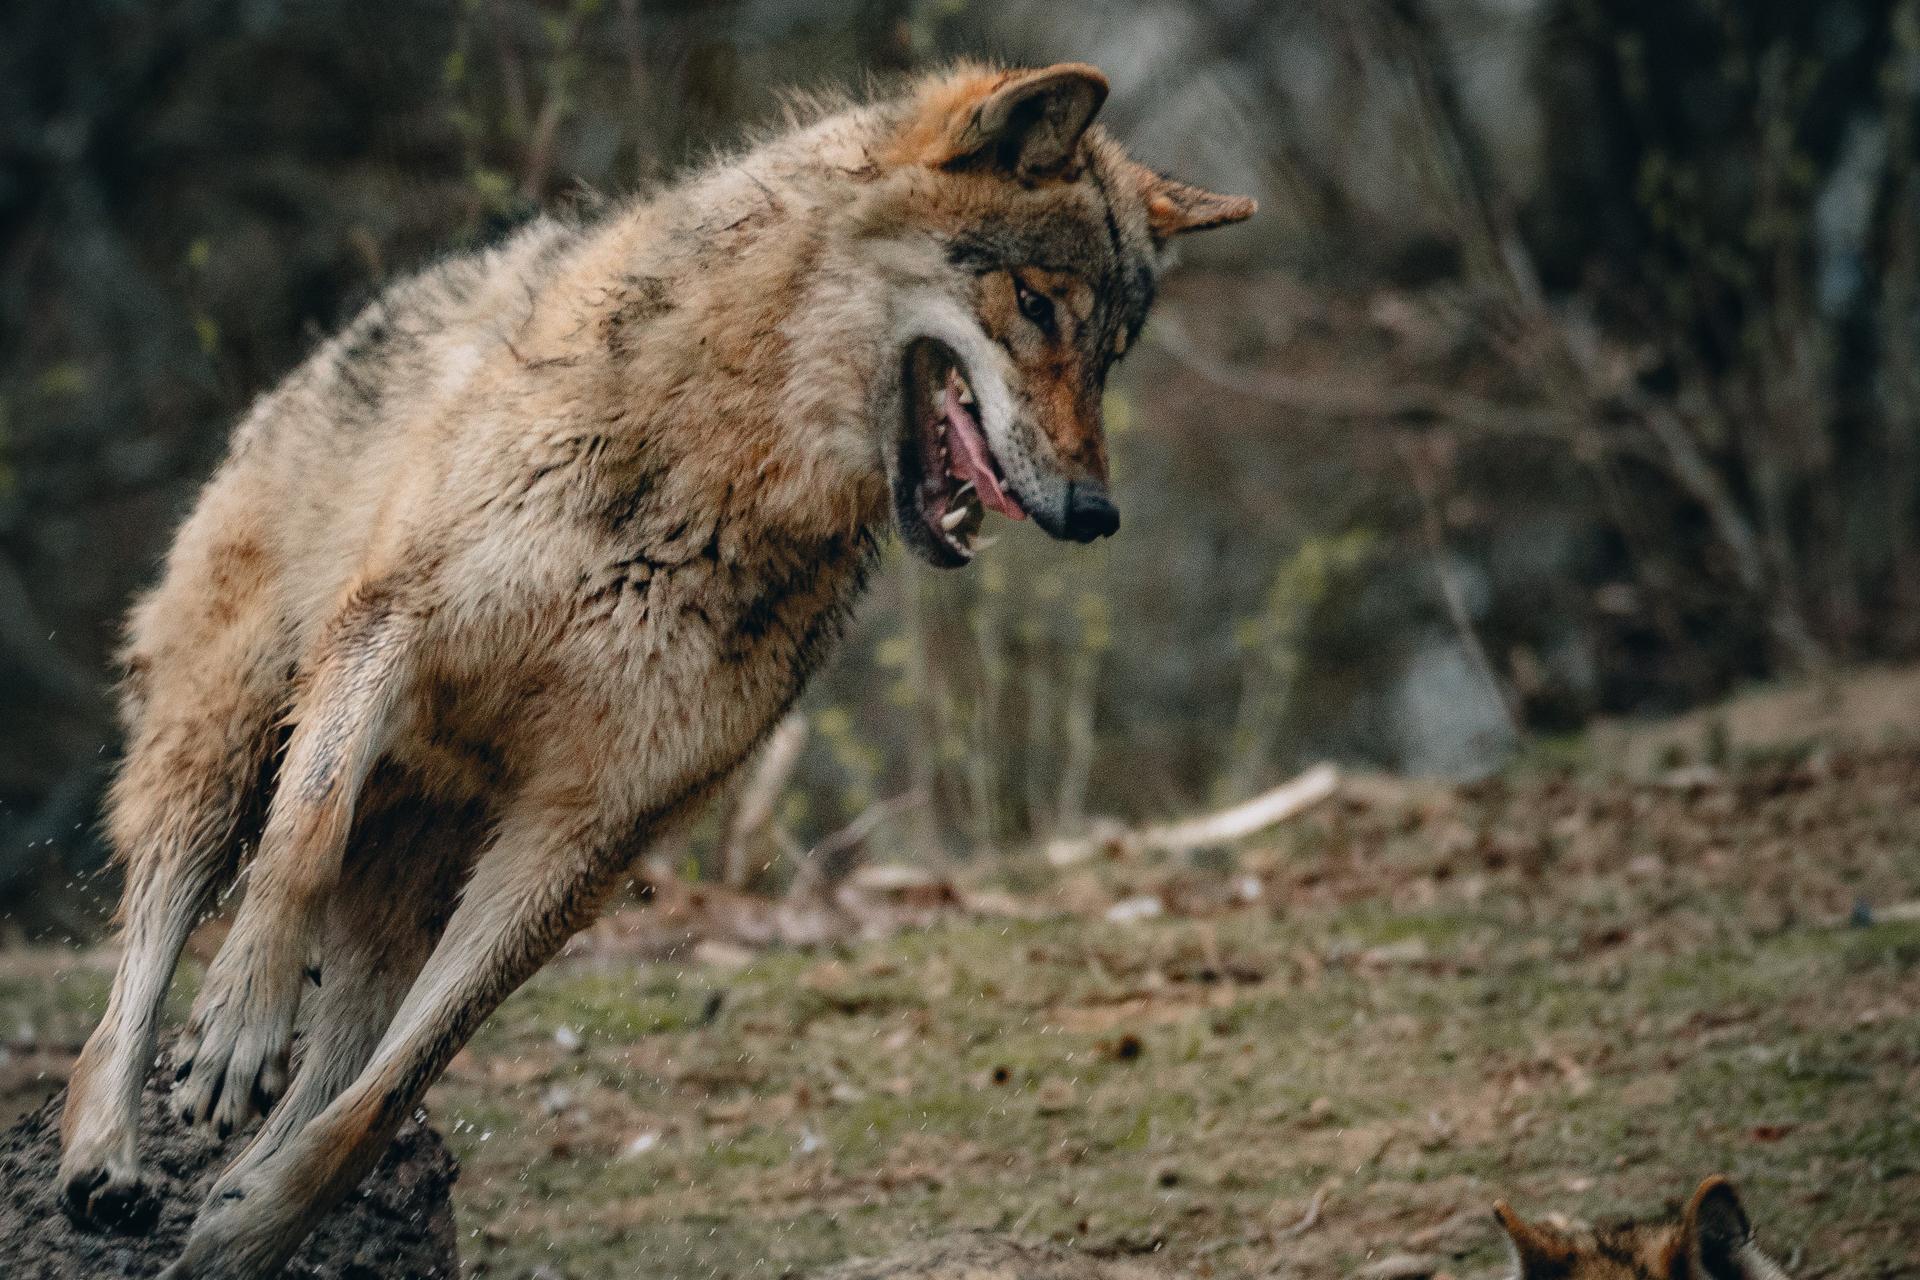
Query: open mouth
x,y
948,478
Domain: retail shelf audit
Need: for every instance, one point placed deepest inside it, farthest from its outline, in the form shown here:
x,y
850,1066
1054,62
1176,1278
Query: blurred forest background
x,y
1570,370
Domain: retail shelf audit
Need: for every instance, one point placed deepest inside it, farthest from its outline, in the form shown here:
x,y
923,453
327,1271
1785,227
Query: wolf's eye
x,y
1035,306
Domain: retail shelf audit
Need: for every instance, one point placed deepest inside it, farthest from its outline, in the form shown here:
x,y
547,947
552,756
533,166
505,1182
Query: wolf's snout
x,y
1090,512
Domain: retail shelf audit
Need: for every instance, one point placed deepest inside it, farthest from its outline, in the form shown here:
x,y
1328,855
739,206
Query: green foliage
x,y
1665,268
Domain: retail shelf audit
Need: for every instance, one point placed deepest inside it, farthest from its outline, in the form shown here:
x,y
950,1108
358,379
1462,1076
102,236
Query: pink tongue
x,y
971,460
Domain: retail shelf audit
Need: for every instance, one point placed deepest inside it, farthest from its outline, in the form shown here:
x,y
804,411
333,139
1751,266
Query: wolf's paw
x,y
231,1061
103,1190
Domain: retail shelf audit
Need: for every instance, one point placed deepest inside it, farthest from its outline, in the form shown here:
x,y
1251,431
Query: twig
x,y
1277,1266
752,811
1352,402
1434,529
834,858
1236,823
1308,1220
1242,820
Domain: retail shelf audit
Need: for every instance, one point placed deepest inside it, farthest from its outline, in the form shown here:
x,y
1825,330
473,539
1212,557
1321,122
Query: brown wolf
x,y
1713,1240
509,576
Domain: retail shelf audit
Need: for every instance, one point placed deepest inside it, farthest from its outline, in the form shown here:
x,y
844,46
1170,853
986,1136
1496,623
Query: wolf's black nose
x,y
1090,512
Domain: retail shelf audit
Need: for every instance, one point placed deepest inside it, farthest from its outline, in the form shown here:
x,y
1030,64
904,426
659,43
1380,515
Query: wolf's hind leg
x,y
402,876
233,1056
191,772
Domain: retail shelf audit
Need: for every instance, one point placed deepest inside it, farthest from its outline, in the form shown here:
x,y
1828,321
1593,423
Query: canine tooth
x,y
952,520
966,393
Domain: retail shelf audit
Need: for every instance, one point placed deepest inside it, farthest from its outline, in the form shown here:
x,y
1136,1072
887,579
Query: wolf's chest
x,y
750,621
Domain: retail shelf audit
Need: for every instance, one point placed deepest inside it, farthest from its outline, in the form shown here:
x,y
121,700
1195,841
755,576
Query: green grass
x,y
969,1077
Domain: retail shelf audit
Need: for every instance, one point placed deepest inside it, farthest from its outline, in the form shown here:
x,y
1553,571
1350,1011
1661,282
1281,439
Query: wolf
x,y
1712,1240
507,578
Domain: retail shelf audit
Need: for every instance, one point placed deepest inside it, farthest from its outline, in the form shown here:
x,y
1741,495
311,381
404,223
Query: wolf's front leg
x,y
232,1058
539,882
172,816
99,1178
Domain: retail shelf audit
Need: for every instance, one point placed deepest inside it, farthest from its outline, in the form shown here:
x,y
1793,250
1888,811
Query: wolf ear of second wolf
x,y
1712,1241
1538,1250
1716,1233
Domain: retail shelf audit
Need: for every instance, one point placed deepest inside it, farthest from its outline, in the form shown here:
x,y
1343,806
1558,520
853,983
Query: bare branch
x,y
752,811
1247,818
834,858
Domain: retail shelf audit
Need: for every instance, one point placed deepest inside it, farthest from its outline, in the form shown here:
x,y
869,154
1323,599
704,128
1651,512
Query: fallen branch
x,y
752,811
1308,1220
1236,823
830,862
825,903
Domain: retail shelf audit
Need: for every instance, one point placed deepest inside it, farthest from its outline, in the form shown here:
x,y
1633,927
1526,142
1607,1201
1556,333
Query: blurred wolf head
x,y
1713,1240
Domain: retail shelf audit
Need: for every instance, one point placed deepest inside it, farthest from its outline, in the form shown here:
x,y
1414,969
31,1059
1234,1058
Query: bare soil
x,y
398,1226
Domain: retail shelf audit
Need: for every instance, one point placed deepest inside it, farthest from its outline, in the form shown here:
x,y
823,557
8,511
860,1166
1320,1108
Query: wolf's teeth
x,y
966,393
953,519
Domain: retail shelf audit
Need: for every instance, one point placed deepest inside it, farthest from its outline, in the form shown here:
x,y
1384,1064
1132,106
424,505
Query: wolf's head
x,y
1713,1240
1026,248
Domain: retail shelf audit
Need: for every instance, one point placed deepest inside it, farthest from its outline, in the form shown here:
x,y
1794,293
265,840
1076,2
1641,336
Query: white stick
x,y
759,794
1236,823
1247,818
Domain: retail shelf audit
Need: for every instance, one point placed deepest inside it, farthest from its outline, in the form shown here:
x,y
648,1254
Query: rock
x,y
397,1226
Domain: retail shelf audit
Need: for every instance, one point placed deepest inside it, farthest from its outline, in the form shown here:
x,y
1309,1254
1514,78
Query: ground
x,y
1295,1058
397,1226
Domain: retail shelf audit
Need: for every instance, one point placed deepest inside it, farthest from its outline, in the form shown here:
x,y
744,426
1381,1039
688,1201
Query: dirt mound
x,y
397,1226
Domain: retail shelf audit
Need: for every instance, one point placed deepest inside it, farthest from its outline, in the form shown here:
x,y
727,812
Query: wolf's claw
x,y
103,1198
233,1064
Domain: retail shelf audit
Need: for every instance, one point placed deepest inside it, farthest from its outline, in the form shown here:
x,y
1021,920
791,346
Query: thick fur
x,y
509,576
1712,1239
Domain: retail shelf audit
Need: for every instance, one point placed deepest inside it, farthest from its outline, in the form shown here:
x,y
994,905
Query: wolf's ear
x,y
1175,208
1717,1235
1027,123
1539,1252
